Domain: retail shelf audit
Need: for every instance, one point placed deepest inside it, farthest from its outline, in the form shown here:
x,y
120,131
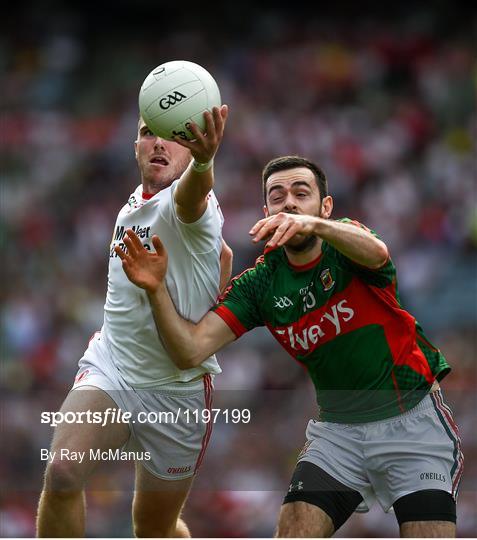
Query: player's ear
x,y
135,148
326,207
265,211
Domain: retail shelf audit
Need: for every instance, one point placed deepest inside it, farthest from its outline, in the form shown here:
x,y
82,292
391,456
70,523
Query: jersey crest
x,y
327,280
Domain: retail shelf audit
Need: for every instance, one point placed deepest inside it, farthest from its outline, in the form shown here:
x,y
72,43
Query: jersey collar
x,y
307,266
296,267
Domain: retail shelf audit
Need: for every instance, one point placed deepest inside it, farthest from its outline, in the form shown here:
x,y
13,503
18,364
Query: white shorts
x,y
388,459
166,422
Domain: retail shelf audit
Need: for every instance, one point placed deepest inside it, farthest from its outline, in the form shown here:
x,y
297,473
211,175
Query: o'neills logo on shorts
x,y
432,476
179,470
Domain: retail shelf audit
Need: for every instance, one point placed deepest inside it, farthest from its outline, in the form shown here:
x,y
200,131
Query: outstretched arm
x,y
189,344
226,260
198,179
356,243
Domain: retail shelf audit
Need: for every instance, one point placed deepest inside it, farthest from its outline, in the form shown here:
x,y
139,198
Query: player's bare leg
x,y
61,510
302,520
428,529
157,506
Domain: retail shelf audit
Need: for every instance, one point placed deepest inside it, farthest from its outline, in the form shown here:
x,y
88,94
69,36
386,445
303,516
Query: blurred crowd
x,y
386,108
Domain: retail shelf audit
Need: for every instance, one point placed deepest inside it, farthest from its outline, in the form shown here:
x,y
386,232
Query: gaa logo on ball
x,y
175,94
171,99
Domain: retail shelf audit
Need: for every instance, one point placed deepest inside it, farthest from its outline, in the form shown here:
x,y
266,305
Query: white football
x,y
175,94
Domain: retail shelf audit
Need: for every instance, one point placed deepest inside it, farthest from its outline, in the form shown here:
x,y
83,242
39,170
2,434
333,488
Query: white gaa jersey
x,y
193,274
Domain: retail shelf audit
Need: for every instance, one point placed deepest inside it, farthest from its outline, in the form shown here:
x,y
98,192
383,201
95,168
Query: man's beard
x,y
307,244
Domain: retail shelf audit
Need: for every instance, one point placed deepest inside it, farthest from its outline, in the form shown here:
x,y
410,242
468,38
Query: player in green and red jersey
x,y
367,357
327,291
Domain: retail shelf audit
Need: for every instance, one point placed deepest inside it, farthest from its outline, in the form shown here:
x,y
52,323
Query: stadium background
x,y
384,101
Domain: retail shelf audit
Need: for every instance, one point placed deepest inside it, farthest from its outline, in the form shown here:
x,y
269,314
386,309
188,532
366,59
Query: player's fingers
x,y
132,242
260,232
210,126
265,222
219,123
257,226
224,112
184,142
134,239
125,258
279,232
267,227
159,246
129,244
128,269
217,117
196,133
289,233
283,224
120,253
265,232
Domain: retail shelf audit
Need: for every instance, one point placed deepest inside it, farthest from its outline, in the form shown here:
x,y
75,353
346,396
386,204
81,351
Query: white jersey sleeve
x,y
200,236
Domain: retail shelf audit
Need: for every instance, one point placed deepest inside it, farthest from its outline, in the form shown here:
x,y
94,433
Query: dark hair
x,y
291,162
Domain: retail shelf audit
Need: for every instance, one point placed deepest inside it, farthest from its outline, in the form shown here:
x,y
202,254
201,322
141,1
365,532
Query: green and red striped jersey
x,y
368,357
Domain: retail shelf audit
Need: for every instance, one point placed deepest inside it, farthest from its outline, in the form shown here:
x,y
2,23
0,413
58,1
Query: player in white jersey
x,y
126,367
